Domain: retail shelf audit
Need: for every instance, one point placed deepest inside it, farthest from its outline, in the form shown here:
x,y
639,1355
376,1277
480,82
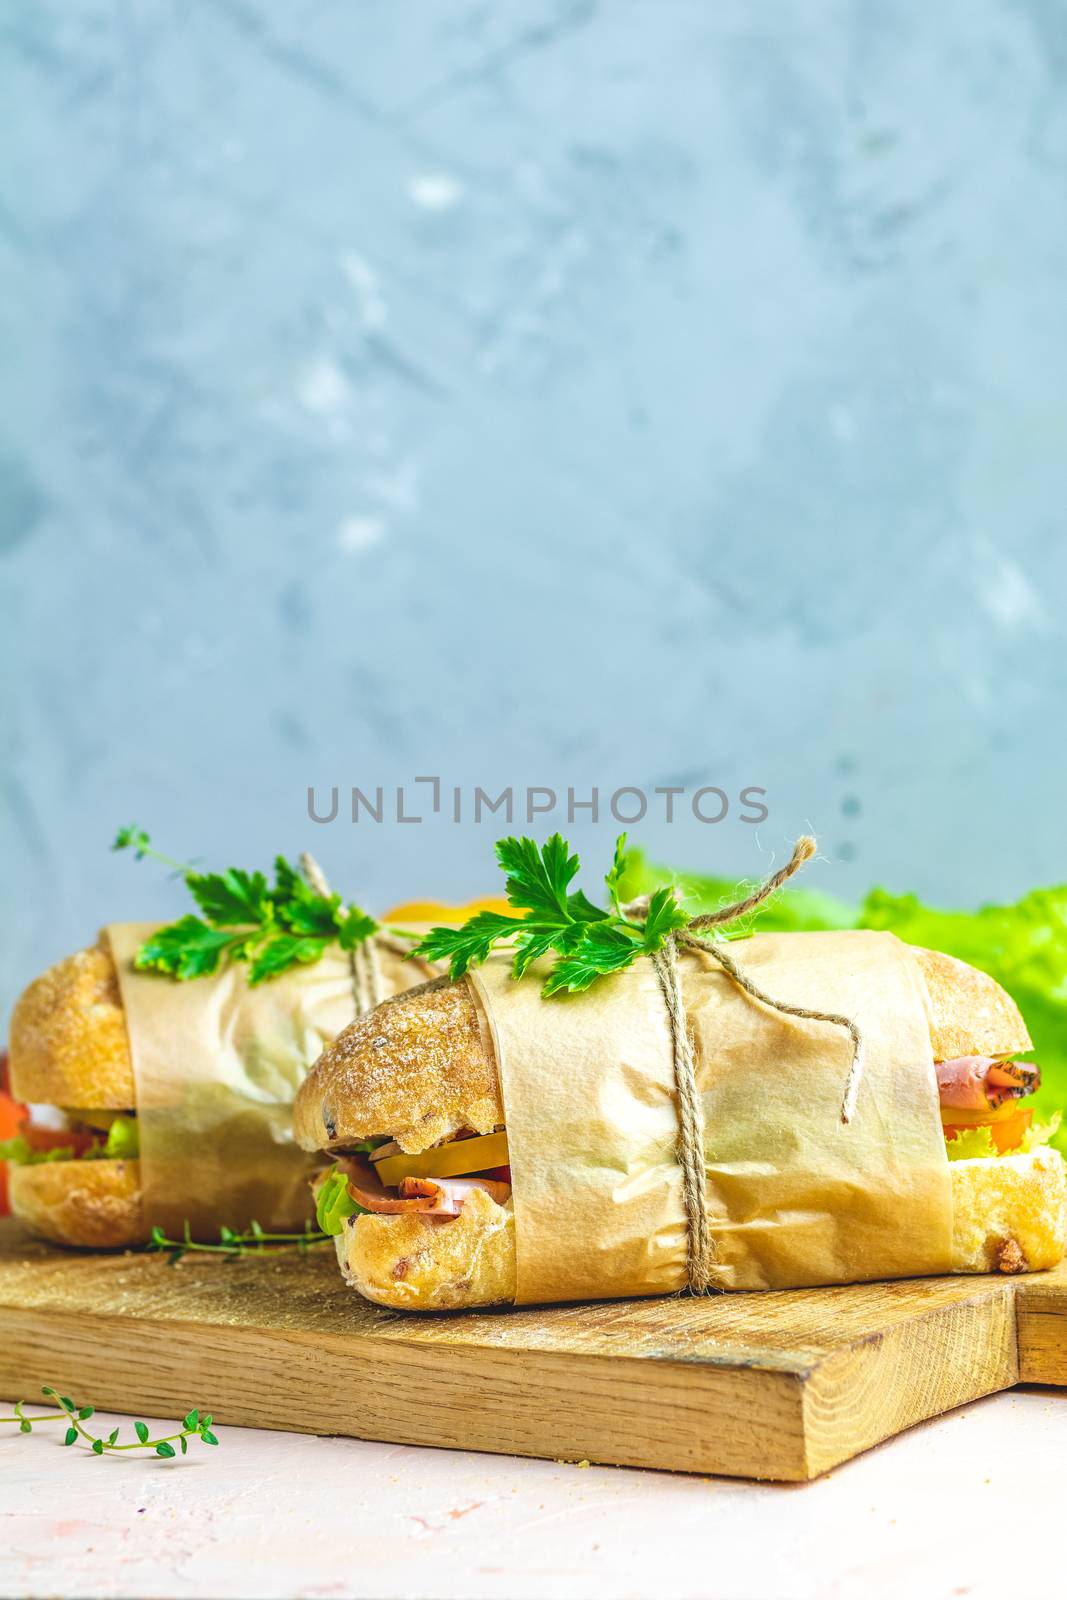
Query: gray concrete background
x,y
547,392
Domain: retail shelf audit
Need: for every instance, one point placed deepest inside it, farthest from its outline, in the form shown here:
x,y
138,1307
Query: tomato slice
x,y
1007,1133
45,1139
11,1115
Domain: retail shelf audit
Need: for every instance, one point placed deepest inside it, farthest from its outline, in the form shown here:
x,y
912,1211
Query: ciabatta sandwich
x,y
407,1103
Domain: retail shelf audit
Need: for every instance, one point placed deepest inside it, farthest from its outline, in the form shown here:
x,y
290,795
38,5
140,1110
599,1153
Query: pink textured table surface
x,y
967,1505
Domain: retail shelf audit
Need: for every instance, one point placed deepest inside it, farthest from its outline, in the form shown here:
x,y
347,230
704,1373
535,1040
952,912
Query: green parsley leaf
x,y
244,919
538,879
538,942
230,899
590,940
286,878
356,927
281,951
141,1430
132,838
303,911
469,945
613,879
187,948
664,917
604,949
164,1449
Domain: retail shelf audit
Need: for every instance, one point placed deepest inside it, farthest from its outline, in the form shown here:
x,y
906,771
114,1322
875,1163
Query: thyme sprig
x,y
194,1426
252,1241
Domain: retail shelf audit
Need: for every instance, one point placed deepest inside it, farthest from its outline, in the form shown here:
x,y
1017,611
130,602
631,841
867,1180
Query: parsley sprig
x,y
194,1426
272,926
589,940
252,1241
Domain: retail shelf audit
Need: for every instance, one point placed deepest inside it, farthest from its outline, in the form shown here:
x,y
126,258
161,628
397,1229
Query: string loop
x,y
697,937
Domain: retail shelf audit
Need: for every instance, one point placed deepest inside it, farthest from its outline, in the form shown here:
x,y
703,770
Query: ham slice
x,y
982,1083
432,1197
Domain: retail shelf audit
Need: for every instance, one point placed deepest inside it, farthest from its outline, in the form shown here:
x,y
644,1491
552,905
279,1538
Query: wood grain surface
x,y
778,1385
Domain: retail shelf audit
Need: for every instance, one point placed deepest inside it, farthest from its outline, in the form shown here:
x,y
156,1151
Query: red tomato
x,y
11,1115
44,1139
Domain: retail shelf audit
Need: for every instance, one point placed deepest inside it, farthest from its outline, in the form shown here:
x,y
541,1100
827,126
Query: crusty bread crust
x,y
1009,1215
94,1204
419,1068
68,1043
970,1014
418,1263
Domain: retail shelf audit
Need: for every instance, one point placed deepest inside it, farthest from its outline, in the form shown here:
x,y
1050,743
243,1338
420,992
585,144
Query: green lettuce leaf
x,y
333,1204
976,1144
973,1144
20,1154
123,1142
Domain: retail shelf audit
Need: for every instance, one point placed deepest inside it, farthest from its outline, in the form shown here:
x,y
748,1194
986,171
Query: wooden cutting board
x,y
779,1385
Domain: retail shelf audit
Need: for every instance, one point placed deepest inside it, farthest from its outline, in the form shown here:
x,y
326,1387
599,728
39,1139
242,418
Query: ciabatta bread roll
x,y
436,1229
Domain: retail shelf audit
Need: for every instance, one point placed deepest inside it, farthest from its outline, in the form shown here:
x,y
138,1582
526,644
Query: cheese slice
x,y
449,1160
953,1118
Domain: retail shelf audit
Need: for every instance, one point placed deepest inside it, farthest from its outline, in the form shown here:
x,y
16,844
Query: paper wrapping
x,y
794,1196
216,1067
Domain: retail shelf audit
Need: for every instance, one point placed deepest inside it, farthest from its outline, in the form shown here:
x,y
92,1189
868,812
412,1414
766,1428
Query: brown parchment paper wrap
x,y
794,1196
217,1066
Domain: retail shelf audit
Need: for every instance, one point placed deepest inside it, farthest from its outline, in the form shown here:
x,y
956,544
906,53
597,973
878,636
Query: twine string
x,y
363,958
690,1112
690,1124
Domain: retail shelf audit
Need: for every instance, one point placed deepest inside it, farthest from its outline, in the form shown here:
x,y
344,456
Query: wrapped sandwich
x,y
859,1113
160,1103
152,1104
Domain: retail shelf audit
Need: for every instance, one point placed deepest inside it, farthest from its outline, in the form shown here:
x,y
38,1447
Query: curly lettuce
x,y
976,1144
